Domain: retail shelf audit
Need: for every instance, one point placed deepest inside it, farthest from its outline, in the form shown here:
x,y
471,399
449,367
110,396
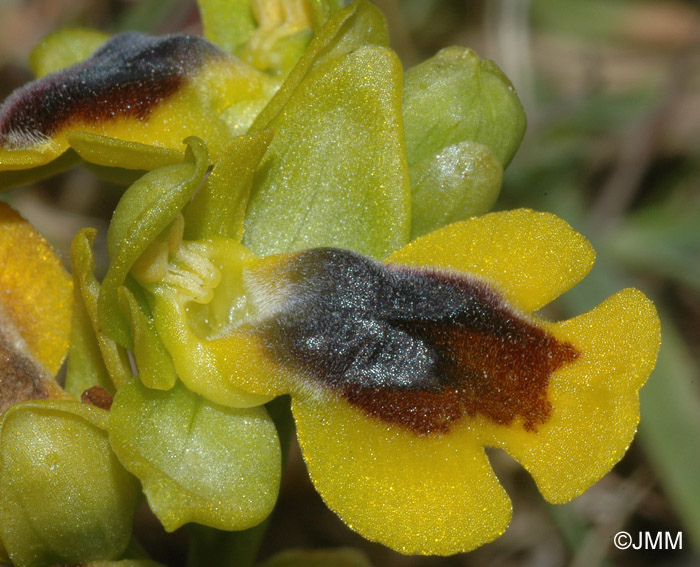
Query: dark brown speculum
x,y
419,348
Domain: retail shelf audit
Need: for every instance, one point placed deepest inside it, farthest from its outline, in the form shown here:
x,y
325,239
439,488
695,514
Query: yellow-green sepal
x,y
359,24
147,209
64,496
197,461
64,48
335,173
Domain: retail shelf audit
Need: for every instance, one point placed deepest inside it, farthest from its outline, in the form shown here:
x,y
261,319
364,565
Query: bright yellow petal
x,y
595,399
418,495
531,257
36,291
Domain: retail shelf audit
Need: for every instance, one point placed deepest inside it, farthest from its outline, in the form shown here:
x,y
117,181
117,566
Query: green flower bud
x,y
463,124
64,496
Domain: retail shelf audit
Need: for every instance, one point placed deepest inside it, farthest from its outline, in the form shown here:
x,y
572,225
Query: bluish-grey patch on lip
x,y
419,347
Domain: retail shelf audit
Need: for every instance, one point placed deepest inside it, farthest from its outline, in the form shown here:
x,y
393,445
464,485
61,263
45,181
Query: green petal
x,y
197,461
335,172
144,212
456,96
112,152
458,182
64,48
218,208
94,358
65,497
155,366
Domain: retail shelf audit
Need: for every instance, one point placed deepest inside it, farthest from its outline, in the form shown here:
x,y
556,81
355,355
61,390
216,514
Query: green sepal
x,y
155,366
342,557
94,359
227,23
197,461
64,48
348,29
112,152
335,173
143,213
458,182
456,96
218,208
64,496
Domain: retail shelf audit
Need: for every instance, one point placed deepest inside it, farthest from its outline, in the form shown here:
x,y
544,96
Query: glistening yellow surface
x,y
36,291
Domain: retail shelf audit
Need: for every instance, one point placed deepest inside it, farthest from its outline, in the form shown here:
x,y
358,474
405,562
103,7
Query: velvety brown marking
x,y
98,397
421,348
127,77
21,379
501,378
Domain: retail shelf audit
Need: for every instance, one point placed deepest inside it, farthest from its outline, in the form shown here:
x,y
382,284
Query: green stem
x,y
210,547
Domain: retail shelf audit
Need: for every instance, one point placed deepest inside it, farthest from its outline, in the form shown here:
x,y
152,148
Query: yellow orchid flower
x,y
134,99
35,313
401,372
64,497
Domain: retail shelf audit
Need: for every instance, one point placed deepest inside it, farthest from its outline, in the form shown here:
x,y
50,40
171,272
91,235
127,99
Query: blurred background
x,y
612,93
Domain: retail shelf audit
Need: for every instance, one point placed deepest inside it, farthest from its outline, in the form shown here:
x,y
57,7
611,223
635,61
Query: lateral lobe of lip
x,y
128,76
419,348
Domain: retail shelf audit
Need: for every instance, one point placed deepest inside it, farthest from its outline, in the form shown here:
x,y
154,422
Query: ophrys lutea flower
x,y
64,497
401,372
